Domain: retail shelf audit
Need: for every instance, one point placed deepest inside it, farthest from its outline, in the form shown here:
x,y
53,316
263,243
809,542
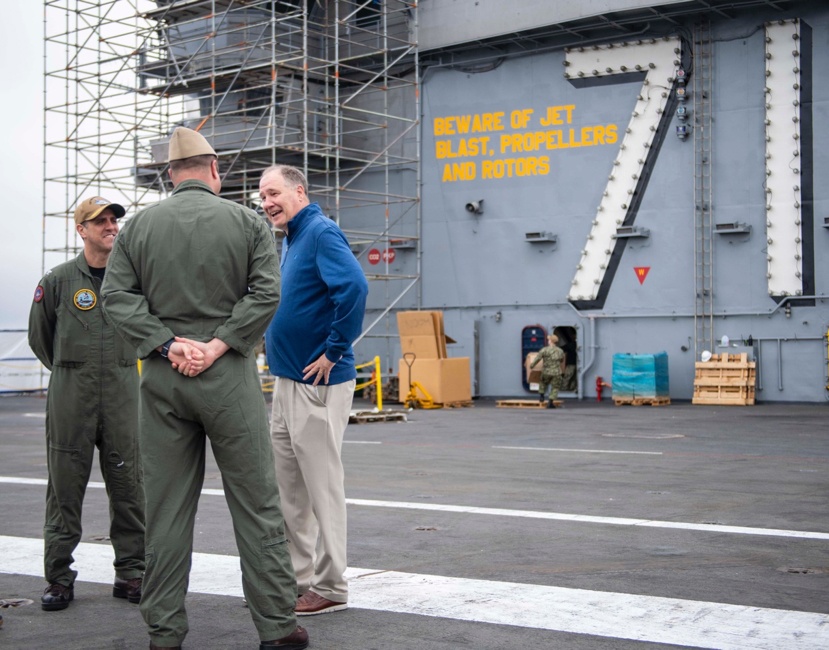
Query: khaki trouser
x,y
307,431
178,414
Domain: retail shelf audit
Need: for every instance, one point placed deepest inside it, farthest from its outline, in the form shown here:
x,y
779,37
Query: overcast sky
x,y
21,144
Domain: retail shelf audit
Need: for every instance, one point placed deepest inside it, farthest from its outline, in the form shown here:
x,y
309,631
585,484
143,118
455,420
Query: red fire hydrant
x,y
600,383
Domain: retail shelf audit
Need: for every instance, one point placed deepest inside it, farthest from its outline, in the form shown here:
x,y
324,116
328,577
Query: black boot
x,y
540,398
551,404
57,596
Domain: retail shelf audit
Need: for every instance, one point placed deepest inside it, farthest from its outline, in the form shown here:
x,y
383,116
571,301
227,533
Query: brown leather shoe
x,y
296,640
310,603
57,596
129,589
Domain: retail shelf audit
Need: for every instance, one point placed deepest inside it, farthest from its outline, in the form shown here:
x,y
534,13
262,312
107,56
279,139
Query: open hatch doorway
x,y
568,341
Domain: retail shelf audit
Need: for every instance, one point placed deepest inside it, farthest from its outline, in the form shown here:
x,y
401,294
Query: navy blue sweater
x,y
323,300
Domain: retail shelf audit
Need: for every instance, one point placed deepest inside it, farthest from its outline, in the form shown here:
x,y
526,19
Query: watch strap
x,y
165,348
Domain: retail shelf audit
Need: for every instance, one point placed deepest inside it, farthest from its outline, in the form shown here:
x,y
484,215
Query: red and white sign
x,y
374,256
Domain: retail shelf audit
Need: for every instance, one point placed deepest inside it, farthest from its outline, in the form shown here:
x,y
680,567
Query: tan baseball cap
x,y
186,143
90,208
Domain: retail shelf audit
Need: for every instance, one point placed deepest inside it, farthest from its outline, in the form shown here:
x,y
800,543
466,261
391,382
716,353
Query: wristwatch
x,y
165,349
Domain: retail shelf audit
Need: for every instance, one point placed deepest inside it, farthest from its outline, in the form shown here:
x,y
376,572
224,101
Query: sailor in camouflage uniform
x,y
552,357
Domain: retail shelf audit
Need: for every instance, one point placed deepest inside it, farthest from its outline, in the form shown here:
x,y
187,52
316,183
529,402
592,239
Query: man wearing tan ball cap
x,y
90,208
193,283
92,403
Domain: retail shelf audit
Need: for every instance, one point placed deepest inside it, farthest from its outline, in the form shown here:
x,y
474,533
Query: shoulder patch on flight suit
x,y
39,293
85,299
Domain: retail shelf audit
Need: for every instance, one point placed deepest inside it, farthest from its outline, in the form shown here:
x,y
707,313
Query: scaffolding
x,y
330,86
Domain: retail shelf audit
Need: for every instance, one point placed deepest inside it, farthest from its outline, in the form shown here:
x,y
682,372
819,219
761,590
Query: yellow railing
x,y
267,380
376,378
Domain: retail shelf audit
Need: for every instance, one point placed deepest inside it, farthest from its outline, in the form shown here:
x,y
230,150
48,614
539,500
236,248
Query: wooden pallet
x,y
525,403
641,401
722,396
361,417
727,379
734,395
461,404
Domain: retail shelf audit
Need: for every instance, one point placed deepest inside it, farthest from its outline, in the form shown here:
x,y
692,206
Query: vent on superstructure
x,y
541,236
732,228
405,243
631,232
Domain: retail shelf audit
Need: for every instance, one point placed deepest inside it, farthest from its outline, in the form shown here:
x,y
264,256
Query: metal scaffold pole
x,y
329,86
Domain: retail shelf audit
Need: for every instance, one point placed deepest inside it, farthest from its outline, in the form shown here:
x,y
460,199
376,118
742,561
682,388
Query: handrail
x,y
376,378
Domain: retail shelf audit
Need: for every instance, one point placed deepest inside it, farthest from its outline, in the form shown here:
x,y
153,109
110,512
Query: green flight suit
x,y
92,402
551,357
198,266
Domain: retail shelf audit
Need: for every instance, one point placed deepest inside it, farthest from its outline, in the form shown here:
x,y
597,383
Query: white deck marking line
x,y
582,451
578,611
527,514
615,521
362,442
28,481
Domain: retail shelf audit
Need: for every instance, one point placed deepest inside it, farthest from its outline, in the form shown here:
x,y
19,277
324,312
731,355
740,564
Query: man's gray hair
x,y
293,176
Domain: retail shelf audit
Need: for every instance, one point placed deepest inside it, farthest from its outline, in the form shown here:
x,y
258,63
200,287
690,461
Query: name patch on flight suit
x,y
85,299
38,293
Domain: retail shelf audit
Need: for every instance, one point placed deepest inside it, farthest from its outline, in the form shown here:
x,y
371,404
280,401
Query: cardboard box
x,y
423,347
446,380
437,318
416,323
421,333
534,375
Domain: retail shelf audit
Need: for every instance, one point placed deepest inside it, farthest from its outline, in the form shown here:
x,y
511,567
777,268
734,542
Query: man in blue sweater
x,y
308,344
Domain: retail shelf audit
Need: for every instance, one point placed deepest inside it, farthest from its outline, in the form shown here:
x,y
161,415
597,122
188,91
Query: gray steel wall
x,y
449,22
481,269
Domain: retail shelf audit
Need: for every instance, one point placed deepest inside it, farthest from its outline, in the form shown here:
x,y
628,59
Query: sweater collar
x,y
302,219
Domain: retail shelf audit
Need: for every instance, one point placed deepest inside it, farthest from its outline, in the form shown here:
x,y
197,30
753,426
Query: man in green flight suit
x,y
193,283
92,402
552,370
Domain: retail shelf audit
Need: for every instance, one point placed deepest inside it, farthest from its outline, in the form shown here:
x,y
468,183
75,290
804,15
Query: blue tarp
x,y
640,375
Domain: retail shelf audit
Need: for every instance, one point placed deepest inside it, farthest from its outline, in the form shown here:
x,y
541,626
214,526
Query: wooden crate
x,y
727,379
